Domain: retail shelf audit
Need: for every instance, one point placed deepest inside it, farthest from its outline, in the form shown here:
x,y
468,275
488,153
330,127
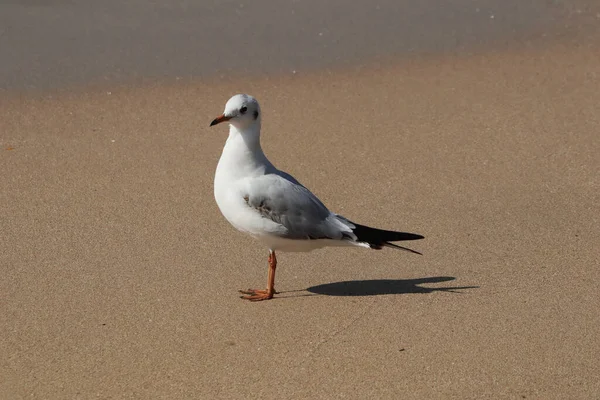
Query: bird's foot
x,y
257,294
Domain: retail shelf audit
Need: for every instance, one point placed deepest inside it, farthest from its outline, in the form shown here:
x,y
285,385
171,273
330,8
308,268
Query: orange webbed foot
x,y
257,294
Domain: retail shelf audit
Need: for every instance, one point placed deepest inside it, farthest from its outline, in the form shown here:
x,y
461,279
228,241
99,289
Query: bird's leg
x,y
266,294
271,276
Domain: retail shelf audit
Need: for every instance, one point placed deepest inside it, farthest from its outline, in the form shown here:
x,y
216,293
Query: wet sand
x,y
62,44
120,276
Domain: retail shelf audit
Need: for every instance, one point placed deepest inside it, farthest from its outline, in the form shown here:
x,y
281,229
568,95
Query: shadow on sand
x,y
385,286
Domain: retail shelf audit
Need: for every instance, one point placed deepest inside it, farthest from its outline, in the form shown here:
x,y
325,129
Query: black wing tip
x,y
395,246
413,236
375,235
379,238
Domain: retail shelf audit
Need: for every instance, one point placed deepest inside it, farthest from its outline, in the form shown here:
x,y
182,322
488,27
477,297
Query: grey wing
x,y
282,199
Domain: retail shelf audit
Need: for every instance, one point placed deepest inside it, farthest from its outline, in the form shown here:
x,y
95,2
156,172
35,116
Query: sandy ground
x,y
120,275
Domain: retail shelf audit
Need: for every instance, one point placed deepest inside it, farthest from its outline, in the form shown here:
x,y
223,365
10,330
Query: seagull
x,y
272,206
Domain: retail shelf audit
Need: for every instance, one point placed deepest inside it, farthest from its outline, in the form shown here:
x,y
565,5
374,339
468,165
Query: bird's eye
x,y
243,110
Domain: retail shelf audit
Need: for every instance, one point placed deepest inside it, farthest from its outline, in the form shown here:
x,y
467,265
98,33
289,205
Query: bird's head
x,y
241,111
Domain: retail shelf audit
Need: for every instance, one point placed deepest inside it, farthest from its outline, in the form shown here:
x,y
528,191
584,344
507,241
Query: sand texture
x,y
120,276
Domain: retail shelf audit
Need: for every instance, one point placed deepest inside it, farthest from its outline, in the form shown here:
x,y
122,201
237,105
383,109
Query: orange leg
x,y
266,294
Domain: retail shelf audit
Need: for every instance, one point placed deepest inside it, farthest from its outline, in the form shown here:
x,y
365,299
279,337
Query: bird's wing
x,y
280,198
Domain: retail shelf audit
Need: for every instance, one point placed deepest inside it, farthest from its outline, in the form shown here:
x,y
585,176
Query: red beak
x,y
219,119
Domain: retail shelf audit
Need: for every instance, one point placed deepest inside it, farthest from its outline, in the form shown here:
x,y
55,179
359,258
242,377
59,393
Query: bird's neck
x,y
242,154
245,138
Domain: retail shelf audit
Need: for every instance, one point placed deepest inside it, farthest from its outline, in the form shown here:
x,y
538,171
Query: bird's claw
x,y
257,294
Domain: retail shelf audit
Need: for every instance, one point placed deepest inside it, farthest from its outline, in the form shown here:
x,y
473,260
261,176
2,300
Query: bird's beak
x,y
219,119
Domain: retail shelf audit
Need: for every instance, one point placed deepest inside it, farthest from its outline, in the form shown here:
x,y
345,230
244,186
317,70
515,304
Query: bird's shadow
x,y
377,287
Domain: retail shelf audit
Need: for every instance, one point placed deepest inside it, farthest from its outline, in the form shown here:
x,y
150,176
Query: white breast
x,y
241,161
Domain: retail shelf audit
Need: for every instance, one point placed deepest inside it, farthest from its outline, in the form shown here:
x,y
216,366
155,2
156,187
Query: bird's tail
x,y
379,238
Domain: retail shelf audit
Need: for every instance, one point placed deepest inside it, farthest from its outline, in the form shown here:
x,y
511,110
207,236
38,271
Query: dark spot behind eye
x,y
243,110
255,114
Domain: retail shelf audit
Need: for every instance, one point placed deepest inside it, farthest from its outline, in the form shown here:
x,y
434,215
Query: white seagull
x,y
272,206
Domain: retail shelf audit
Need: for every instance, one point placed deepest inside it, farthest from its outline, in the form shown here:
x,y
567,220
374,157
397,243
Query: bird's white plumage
x,y
269,204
